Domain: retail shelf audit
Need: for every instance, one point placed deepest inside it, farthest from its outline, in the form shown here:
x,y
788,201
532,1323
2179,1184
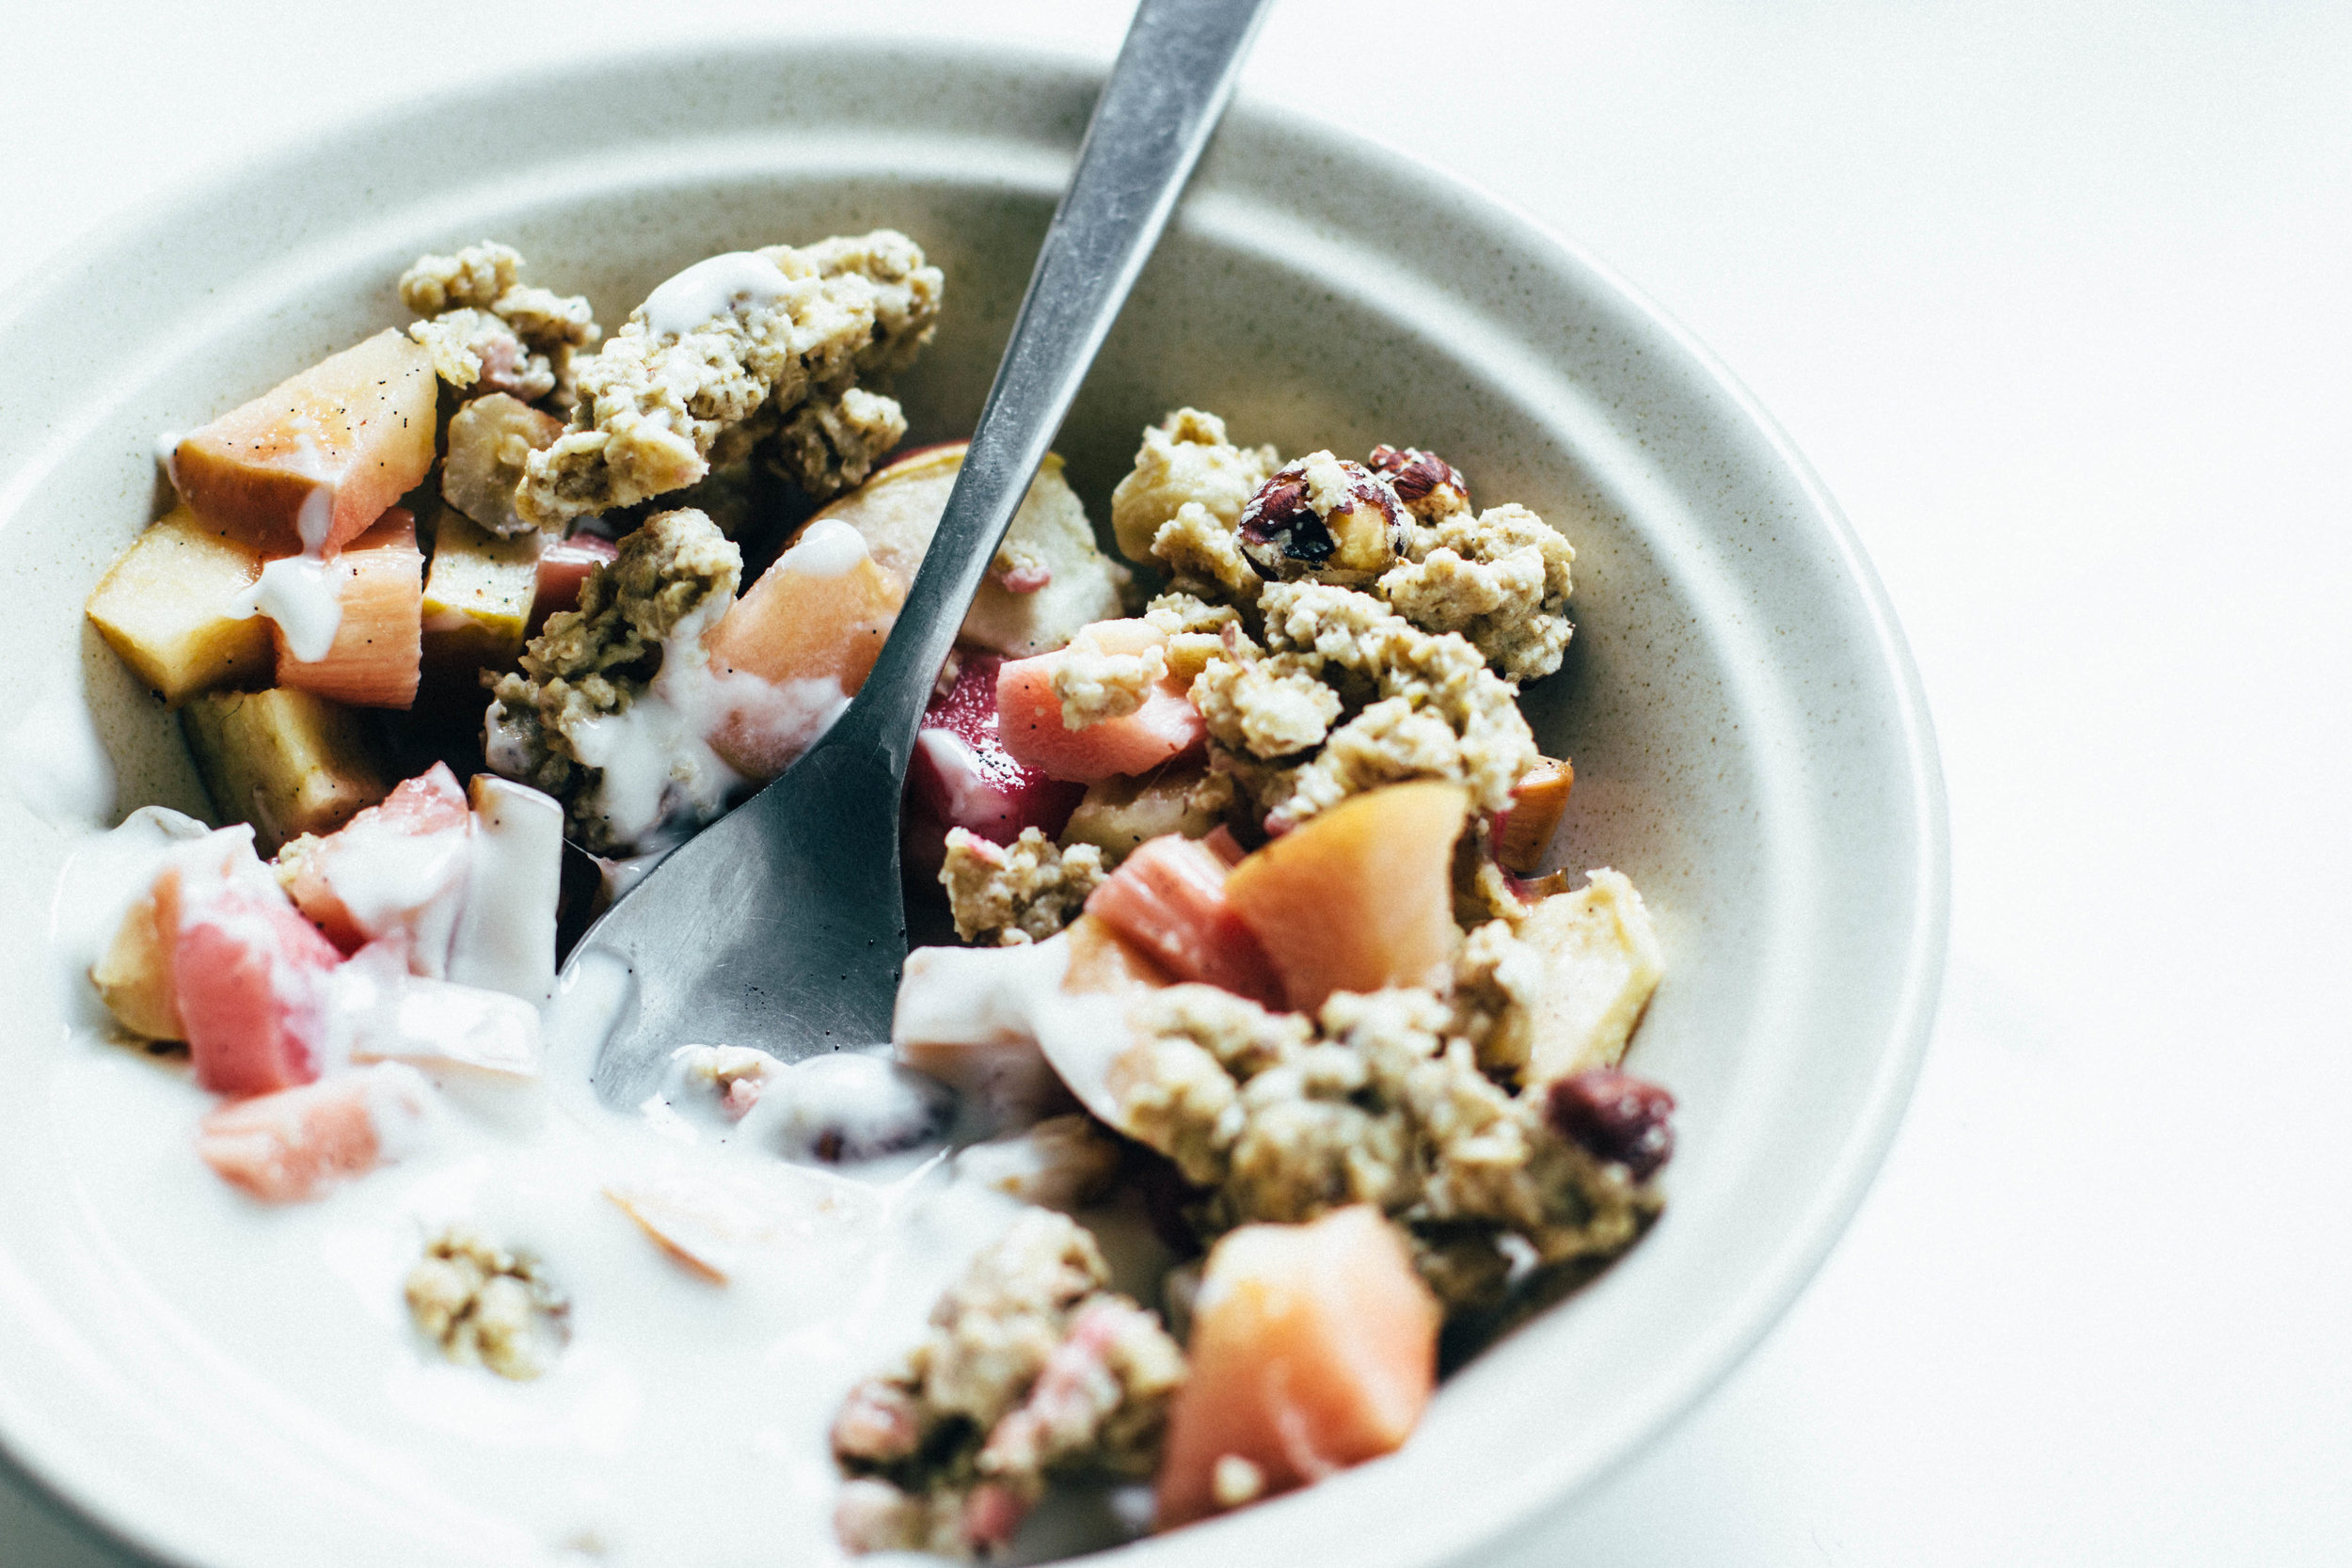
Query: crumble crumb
x,y
489,332
1094,684
831,444
674,577
1501,578
1187,460
486,1307
1031,1370
658,408
1375,1100
1018,892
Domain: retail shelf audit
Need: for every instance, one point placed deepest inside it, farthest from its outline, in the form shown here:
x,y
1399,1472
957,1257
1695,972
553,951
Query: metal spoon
x,y
782,925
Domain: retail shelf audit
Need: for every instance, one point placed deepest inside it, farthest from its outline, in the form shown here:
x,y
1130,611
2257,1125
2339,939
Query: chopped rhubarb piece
x,y
961,775
1168,898
378,651
385,869
1167,725
311,462
294,1144
563,567
1523,831
248,974
1315,1347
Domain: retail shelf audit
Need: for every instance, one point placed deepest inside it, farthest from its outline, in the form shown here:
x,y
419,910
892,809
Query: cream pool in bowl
x,y
1750,745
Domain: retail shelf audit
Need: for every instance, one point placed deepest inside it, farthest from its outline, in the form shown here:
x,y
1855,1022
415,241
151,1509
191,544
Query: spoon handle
x,y
1166,92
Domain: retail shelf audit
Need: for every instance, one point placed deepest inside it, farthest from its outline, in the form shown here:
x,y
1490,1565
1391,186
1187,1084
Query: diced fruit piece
x,y
133,978
1360,896
961,775
385,1014
294,1144
378,580
1060,580
1119,813
310,464
1315,1347
168,606
1614,1115
563,566
1105,961
963,1016
289,762
819,615
488,439
249,975
1030,710
1169,899
478,594
506,937
1523,830
381,871
1598,961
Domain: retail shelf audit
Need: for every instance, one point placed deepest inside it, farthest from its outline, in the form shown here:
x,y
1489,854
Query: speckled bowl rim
x,y
90,1491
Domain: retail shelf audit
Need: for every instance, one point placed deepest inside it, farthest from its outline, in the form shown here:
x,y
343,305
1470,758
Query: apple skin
x,y
310,464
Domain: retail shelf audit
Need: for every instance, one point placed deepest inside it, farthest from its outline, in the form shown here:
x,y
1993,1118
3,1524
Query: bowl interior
x,y
1748,739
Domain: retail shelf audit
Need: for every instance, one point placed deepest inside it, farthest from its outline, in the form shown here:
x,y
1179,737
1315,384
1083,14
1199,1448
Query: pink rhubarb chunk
x,y
249,973
1165,726
396,857
291,1145
1169,899
961,776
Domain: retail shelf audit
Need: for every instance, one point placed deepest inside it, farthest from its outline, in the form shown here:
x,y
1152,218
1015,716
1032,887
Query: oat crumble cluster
x,y
1377,1100
1008,895
486,1307
588,665
488,331
1031,1370
789,371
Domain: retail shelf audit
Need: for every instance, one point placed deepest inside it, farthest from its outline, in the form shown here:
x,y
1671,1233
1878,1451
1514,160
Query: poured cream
x,y
55,758
828,547
722,285
296,591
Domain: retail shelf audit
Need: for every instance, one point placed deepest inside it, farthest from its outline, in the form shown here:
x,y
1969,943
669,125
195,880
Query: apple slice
x,y
1062,579
170,606
1523,831
478,594
379,652
1030,710
1121,814
1360,896
306,467
1315,1347
1169,899
288,762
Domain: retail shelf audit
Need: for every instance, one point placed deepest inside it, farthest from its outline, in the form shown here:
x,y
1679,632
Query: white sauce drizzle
x,y
722,285
298,592
828,547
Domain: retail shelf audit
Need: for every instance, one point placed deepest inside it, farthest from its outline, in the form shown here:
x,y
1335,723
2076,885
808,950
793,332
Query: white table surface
x,y
2055,296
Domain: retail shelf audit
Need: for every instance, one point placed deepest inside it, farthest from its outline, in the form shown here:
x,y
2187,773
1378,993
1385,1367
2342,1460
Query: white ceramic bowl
x,y
1750,739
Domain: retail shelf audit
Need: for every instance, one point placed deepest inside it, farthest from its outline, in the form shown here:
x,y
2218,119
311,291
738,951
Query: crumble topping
x,y
1185,460
1500,578
658,407
1376,1100
1426,705
1095,685
488,331
1031,1370
675,575
1008,895
486,1307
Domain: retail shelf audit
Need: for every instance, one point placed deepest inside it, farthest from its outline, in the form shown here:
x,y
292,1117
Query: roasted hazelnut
x,y
1322,517
1614,1115
1429,486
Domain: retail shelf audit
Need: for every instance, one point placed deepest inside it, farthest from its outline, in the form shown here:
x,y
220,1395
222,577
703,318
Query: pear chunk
x,y
168,606
289,762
